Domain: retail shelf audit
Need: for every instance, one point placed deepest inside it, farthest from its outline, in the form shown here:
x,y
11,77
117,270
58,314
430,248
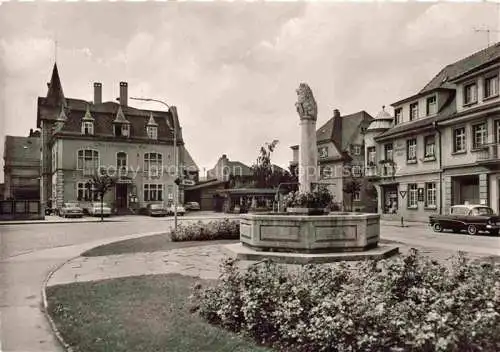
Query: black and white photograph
x,y
249,176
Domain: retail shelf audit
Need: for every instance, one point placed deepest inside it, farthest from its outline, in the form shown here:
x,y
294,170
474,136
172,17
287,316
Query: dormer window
x,y
398,115
87,128
121,130
414,111
470,94
152,132
431,106
152,127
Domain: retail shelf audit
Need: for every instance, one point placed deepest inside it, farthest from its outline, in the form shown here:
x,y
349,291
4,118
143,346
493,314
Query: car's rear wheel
x,y
472,230
437,227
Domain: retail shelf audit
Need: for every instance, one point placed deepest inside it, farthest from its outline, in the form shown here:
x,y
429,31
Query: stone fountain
x,y
301,238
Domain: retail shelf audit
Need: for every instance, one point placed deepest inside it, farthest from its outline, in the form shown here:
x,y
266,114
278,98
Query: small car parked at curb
x,y
95,209
180,210
472,218
192,206
156,210
71,210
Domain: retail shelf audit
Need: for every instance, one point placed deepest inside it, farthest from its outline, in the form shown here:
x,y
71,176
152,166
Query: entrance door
x,y
121,195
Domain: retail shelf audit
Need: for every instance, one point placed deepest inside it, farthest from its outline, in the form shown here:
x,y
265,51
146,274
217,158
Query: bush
x,y
409,303
214,230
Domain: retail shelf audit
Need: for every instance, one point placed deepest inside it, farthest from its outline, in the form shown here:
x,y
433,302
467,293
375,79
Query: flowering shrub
x,y
214,230
319,198
406,304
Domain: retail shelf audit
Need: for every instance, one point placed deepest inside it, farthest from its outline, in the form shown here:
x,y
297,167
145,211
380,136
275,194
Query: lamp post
x,y
173,111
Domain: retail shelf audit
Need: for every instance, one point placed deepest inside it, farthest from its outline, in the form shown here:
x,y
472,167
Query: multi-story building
x,y
442,147
341,157
22,167
80,138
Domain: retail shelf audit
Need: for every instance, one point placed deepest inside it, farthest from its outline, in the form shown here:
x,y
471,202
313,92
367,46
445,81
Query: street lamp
x,y
172,110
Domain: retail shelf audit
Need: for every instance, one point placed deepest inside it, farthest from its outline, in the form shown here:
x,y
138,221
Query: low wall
x,y
335,232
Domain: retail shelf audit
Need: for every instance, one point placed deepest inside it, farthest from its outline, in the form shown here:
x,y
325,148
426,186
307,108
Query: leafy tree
x,y
102,184
351,187
263,173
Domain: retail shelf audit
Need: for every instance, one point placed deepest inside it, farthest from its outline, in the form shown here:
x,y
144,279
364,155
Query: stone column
x,y
308,154
447,194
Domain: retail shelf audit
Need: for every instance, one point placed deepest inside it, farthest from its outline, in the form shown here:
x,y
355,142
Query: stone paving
x,y
201,261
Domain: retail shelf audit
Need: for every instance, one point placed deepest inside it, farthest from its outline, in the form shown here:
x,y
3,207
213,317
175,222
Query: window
x,y
372,156
152,132
430,146
479,133
356,170
430,195
121,130
411,149
470,93
88,160
153,192
323,152
431,106
459,140
412,195
87,127
85,192
398,115
490,86
413,111
357,196
388,151
121,163
356,149
497,131
153,164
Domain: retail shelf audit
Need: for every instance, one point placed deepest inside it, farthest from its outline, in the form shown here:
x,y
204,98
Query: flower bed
x,y
214,230
406,304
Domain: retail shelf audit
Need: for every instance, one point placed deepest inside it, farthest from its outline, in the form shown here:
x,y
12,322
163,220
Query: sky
x,y
232,68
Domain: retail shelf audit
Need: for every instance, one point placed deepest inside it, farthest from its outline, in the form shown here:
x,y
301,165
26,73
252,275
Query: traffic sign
x,y
187,182
403,194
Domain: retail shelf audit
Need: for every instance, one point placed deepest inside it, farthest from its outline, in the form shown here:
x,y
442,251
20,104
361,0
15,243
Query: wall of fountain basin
x,y
330,233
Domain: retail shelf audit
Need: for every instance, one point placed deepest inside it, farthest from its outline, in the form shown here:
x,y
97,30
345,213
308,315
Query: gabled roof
x,y
22,150
55,95
461,67
120,116
350,126
88,115
152,121
189,163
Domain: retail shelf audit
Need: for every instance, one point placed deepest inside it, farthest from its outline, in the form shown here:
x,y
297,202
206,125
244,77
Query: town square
x,y
238,176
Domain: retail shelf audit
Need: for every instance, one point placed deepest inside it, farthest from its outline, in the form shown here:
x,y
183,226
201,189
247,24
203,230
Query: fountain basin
x,y
335,232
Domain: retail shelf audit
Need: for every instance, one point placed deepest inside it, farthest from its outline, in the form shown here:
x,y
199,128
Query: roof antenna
x,y
486,30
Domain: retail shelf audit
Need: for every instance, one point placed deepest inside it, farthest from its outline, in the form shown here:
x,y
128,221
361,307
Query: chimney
x,y
123,93
97,93
337,127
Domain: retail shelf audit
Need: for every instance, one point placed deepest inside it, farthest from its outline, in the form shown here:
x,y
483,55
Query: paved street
x,y
30,252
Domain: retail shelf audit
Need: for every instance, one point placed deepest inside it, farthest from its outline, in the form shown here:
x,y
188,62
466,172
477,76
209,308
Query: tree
x,y
102,184
352,187
263,173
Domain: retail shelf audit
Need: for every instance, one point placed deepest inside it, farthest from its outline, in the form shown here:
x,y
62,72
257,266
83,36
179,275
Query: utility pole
x,y
486,30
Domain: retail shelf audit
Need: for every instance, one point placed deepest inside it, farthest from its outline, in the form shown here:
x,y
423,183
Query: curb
x,y
45,305
43,222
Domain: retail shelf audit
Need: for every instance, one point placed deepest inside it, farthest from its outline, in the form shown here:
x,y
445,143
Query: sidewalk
x,y
52,219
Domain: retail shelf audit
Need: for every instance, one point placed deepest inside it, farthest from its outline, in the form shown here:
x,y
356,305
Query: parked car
x,y
156,210
71,209
192,206
95,209
471,218
180,210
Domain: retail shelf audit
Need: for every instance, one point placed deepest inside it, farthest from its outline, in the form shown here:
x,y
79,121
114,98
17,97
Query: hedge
x,y
408,303
214,230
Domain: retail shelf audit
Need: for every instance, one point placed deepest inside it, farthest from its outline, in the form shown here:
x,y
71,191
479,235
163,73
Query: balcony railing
x,y
491,152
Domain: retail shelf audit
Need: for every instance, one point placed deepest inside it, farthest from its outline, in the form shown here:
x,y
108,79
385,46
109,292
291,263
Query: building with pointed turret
x,y
442,147
80,138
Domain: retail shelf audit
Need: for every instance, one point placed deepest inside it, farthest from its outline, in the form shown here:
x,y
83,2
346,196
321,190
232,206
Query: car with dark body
x,y
71,209
192,206
472,218
156,210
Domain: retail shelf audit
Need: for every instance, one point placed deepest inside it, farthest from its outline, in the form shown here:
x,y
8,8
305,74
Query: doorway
x,y
121,195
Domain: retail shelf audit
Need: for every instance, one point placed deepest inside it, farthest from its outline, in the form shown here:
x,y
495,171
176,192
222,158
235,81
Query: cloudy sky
x,y
232,68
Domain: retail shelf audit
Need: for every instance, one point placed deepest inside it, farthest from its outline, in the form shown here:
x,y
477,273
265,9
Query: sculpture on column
x,y
308,158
